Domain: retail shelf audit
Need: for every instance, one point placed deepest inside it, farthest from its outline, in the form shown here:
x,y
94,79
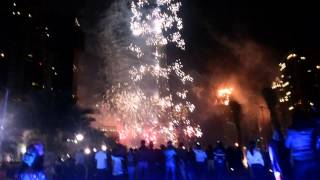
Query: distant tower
x,y
298,83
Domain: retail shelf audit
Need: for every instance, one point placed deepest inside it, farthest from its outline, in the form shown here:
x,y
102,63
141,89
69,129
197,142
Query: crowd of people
x,y
294,156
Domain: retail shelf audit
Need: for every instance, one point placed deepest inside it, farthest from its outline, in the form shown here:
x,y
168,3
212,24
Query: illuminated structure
x,y
37,49
298,83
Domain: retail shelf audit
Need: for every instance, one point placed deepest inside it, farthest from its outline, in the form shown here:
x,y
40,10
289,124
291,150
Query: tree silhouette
x,y
271,99
52,115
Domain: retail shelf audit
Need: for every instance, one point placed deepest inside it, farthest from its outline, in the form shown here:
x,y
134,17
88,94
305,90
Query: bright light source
x,y
282,66
2,55
291,56
94,150
231,169
277,175
104,147
285,84
79,137
311,104
23,148
224,95
77,22
303,58
291,108
318,66
236,144
87,151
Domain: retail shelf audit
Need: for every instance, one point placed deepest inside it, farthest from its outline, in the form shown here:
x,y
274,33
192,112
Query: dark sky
x,y
280,25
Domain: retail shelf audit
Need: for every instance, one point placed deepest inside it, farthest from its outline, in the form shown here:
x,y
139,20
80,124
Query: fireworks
x,y
144,106
224,95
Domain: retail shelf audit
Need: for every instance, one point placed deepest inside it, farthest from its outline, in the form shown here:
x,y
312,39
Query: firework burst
x,y
145,106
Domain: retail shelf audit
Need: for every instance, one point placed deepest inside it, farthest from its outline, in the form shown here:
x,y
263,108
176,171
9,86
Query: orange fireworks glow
x,y
224,95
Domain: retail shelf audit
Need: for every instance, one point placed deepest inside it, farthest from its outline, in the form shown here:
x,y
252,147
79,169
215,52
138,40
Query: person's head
x,y
219,144
151,144
143,143
209,147
162,147
252,146
169,144
198,145
40,149
30,156
131,150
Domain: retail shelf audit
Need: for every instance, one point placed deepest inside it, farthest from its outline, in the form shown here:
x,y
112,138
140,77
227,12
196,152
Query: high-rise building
x,y
298,83
39,46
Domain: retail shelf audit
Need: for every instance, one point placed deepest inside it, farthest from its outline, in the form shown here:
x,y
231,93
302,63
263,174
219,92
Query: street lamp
x,y
104,148
87,151
79,137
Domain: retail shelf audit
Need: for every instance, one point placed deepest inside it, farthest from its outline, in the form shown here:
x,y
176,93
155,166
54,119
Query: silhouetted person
x,y
200,164
256,162
31,168
152,159
191,164
117,164
182,156
101,159
220,168
170,156
80,165
142,161
302,147
234,158
210,160
131,164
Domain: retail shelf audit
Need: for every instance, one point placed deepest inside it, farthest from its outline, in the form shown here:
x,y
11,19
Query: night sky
x,y
281,26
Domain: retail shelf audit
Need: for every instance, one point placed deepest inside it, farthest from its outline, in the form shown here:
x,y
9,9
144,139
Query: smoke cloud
x,y
245,66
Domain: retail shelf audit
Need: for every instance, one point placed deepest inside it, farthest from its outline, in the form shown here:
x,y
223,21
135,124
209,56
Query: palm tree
x,y
271,99
52,115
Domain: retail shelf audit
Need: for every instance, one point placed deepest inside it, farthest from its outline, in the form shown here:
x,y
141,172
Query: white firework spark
x,y
142,111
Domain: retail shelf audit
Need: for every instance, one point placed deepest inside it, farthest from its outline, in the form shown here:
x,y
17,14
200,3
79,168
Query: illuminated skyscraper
x,y
298,83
